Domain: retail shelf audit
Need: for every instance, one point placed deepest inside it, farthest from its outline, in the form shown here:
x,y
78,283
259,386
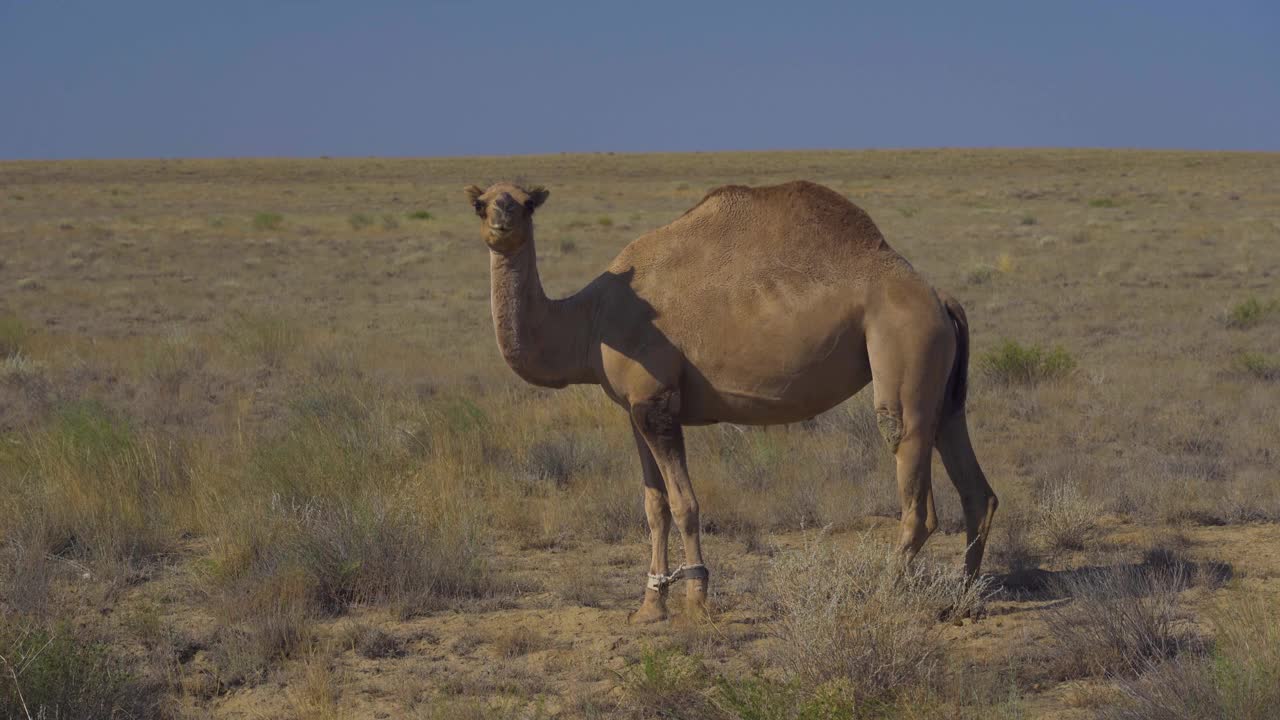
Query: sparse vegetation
x,y
858,618
359,221
1103,202
980,275
13,336
1119,620
1250,312
55,671
265,337
667,683
268,221
1260,365
1014,363
420,215
1066,518
1239,677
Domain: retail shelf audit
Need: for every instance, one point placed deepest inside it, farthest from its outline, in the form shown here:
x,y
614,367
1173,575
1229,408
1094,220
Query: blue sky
x,y
173,78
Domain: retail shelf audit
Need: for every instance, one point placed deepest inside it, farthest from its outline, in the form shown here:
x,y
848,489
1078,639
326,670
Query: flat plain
x,y
260,457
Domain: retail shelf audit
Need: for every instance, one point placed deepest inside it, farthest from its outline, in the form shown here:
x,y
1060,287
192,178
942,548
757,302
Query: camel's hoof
x,y
695,602
648,613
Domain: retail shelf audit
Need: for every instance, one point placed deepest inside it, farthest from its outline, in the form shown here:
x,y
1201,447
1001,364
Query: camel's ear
x,y
473,193
537,196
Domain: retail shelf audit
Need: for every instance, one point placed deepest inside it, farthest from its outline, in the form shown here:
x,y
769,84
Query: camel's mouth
x,y
500,229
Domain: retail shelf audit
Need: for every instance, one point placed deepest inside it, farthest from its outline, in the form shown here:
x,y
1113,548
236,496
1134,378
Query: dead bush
x,y
1067,519
1119,619
373,643
1238,678
858,616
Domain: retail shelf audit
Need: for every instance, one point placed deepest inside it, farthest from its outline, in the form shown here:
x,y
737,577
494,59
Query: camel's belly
x,y
790,389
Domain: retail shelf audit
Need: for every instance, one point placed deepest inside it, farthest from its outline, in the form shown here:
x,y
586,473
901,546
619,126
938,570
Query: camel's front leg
x,y
655,419
658,514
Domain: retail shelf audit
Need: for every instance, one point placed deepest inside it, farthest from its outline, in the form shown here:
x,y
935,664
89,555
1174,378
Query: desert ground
x,y
260,456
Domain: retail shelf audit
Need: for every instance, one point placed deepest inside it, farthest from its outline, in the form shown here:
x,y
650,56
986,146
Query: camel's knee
x,y
889,421
656,510
656,416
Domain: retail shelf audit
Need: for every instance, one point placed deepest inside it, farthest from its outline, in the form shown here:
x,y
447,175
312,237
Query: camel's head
x,y
506,213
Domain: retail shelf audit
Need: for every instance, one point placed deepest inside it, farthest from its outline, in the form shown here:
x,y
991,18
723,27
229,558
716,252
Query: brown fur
x,y
760,306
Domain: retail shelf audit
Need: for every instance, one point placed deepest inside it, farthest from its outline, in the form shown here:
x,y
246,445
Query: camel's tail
x,y
958,383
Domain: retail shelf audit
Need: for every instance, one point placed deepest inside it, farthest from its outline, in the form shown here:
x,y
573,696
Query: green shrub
x,y
763,699
1104,202
1012,363
1260,365
13,336
1028,220
1250,312
360,221
267,221
667,683
53,672
420,215
604,221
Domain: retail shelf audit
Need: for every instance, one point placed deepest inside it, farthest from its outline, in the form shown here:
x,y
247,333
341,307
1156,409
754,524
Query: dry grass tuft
x,y
95,488
1239,678
858,616
373,643
1119,620
1014,545
13,336
1066,518
267,338
520,640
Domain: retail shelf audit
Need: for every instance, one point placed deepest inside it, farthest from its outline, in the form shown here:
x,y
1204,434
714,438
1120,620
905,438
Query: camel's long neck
x,y
545,341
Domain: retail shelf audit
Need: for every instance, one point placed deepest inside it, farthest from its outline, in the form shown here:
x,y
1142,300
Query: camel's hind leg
x,y
908,379
976,496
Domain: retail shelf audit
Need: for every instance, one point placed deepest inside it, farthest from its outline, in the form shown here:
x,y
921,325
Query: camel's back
x,y
756,285
781,247
742,233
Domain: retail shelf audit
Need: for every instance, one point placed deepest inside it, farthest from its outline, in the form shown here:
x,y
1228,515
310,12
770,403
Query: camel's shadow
x,y
1160,570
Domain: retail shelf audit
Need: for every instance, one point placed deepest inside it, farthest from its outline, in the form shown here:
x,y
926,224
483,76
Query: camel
x,y
757,306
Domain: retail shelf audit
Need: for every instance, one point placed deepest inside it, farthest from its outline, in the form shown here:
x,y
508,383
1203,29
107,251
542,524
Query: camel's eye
x,y
479,206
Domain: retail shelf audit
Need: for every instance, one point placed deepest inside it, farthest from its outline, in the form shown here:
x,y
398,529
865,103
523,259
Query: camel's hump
x,y
823,213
